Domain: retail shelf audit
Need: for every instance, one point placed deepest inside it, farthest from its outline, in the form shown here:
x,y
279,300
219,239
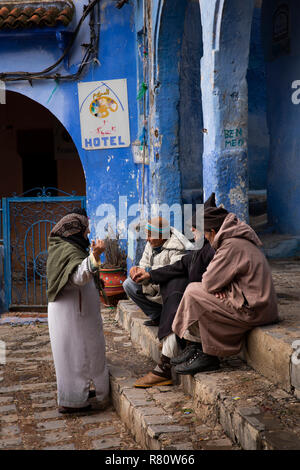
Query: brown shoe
x,y
151,380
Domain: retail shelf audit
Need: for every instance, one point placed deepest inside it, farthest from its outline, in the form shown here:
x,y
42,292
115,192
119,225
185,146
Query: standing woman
x,y
75,323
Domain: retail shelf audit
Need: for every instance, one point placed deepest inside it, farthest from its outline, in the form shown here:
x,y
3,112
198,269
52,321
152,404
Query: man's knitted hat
x,y
158,227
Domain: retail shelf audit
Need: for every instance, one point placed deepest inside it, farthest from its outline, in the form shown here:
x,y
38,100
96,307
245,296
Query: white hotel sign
x,y
104,118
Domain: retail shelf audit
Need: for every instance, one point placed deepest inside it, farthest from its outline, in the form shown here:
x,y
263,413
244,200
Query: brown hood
x,y
233,227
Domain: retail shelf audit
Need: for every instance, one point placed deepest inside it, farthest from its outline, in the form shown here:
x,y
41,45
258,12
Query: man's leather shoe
x,y
151,322
186,354
199,362
151,380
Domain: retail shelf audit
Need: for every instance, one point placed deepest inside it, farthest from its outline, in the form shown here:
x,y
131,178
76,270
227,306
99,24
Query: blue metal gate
x,y
27,222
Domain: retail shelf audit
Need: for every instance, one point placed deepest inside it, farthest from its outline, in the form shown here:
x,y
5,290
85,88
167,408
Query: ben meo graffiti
x,y
104,117
234,137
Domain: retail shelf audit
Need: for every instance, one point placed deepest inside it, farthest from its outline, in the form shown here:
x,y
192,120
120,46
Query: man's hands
x,y
97,247
221,295
138,274
133,271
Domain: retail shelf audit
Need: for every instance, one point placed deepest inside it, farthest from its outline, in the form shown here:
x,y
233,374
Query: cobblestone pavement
x,y
28,410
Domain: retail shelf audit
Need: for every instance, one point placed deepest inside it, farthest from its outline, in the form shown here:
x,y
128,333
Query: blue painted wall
x,y
109,173
258,133
175,116
226,37
167,32
283,118
190,107
2,287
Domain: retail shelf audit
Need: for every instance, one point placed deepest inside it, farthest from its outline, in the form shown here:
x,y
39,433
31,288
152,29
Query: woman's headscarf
x,y
72,227
63,258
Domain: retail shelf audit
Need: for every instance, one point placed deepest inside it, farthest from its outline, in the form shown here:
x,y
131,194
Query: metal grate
x,y
27,224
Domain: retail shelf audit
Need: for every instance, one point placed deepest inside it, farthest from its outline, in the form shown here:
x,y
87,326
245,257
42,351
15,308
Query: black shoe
x,y
67,410
151,322
186,354
199,362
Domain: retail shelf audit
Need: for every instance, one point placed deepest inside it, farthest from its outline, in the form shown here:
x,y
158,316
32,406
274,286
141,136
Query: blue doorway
x,y
27,221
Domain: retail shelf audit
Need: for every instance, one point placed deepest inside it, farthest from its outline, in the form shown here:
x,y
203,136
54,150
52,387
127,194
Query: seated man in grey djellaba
x,y
165,245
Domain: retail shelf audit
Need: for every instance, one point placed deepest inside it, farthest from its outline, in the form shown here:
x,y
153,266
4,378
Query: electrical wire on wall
x,y
90,55
142,95
144,105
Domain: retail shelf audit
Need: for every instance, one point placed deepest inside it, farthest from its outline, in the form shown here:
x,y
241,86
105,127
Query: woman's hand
x,y
98,247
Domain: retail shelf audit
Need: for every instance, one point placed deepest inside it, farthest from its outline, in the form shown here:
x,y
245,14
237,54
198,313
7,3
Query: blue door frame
x,y
23,228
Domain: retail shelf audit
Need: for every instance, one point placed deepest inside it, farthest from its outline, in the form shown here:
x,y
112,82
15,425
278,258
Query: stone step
x,y
159,418
252,410
272,349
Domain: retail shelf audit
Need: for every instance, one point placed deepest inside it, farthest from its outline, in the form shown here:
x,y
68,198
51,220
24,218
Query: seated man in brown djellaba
x,y
236,294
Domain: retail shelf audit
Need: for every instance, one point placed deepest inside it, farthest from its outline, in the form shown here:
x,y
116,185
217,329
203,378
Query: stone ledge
x,y
150,424
230,396
268,349
270,354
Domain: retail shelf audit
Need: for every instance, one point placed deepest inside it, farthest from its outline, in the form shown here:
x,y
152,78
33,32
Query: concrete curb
x,y
151,426
242,420
251,428
269,350
270,356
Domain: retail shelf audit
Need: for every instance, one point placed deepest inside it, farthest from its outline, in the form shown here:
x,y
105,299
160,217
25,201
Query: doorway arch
x,y
41,179
33,139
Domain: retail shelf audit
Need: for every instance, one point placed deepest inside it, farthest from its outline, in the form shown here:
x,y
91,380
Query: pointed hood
x,y
210,202
233,227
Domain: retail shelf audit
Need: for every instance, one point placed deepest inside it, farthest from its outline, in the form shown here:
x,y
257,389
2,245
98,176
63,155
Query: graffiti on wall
x,y
234,138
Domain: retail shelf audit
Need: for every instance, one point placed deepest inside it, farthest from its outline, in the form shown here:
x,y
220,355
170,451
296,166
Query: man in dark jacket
x,y
173,280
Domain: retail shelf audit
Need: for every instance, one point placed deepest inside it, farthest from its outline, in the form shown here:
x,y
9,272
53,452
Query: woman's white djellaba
x,y
74,318
77,340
